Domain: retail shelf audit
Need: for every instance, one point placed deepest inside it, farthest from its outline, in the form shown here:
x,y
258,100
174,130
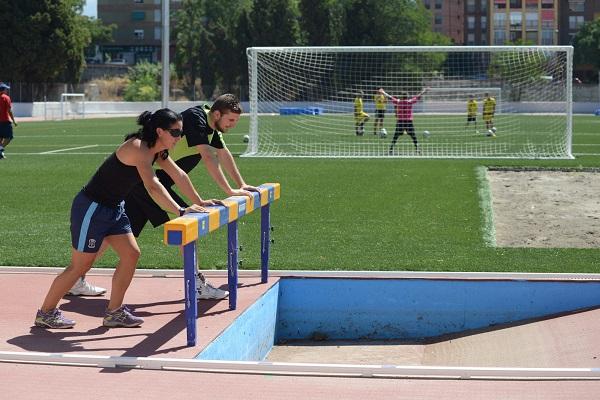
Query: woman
x,y
97,214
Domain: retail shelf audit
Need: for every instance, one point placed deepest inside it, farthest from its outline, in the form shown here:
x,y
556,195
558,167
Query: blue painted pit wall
x,y
414,309
251,336
419,308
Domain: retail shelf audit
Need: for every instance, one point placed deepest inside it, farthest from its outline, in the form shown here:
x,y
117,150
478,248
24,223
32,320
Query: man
x,y
203,127
380,103
404,116
360,116
489,109
6,115
471,112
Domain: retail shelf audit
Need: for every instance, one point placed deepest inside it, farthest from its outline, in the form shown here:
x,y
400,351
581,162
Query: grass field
x,y
334,214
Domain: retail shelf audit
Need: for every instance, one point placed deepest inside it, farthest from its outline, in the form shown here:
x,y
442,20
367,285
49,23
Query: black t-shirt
x,y
196,131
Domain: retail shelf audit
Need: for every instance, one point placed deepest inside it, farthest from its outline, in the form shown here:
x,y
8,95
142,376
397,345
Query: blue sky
x,y
91,8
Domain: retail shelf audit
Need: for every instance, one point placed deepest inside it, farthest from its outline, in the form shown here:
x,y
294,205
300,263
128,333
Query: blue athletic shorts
x,y
91,222
6,130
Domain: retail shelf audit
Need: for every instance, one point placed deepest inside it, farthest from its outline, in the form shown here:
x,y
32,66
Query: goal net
x,y
72,105
302,101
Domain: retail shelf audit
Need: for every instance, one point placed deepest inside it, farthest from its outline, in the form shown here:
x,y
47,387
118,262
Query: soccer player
x,y
98,215
6,115
404,116
380,103
471,112
489,109
360,116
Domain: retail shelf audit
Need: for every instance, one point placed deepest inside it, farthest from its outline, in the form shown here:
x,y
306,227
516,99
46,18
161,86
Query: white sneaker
x,y
83,288
207,291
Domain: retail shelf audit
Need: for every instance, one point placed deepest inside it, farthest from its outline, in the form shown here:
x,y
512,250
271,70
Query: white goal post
x,y
302,101
72,105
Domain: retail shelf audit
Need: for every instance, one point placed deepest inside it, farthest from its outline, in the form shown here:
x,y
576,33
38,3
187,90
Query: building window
x,y
138,1
577,5
531,37
516,4
438,19
157,33
499,37
531,4
471,23
157,15
438,4
575,22
499,20
531,22
516,36
484,23
471,39
484,40
427,4
516,20
547,37
547,3
470,6
499,4
484,4
138,34
138,16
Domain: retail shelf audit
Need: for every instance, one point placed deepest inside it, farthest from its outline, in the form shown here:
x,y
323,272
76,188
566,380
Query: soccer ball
x,y
493,129
426,134
382,133
246,138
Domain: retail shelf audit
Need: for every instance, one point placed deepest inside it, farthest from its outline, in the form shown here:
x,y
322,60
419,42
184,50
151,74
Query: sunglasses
x,y
175,132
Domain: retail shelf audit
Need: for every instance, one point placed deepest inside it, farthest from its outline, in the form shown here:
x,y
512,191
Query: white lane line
x,y
69,149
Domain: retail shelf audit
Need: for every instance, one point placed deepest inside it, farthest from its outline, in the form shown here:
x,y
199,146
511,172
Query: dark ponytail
x,y
163,118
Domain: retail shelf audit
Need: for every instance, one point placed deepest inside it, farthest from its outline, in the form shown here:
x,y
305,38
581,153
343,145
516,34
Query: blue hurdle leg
x,y
232,262
190,289
265,234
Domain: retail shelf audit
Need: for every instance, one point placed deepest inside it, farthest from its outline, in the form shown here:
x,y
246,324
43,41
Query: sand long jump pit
x,y
545,208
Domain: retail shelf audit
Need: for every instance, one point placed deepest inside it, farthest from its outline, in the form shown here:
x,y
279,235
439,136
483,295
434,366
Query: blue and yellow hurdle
x,y
185,231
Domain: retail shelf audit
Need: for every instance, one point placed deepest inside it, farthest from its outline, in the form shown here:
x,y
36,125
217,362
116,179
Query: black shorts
x,y
402,126
6,130
141,208
379,114
471,119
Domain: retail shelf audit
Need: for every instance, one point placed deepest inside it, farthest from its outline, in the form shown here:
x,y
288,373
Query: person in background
x,y
6,116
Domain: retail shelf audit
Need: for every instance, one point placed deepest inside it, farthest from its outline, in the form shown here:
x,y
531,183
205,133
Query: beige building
x,y
525,21
139,29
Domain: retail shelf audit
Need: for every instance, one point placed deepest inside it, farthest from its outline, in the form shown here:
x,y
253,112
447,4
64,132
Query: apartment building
x,y
447,17
524,21
573,14
139,29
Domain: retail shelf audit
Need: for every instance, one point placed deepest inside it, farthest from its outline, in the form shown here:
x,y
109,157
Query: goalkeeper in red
x,y
404,116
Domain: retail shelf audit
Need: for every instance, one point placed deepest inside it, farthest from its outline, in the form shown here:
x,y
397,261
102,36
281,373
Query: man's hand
x,y
212,202
195,208
240,192
249,188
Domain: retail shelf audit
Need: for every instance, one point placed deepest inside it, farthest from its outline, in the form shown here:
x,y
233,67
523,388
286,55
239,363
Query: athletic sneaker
x,y
2,156
206,291
121,318
83,288
53,319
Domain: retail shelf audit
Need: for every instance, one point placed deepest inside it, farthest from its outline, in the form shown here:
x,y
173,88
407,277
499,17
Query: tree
x,y
587,44
386,23
43,40
321,21
274,23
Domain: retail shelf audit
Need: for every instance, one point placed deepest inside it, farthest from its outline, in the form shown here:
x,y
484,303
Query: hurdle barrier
x,y
185,231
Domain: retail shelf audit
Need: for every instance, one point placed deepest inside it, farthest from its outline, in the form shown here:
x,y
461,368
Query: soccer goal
x,y
72,105
302,101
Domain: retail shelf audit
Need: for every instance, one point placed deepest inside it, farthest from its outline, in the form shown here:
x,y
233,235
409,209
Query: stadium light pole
x,y
165,53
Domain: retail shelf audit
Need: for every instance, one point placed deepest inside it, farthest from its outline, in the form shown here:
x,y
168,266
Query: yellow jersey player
x,y
471,112
360,116
489,109
380,104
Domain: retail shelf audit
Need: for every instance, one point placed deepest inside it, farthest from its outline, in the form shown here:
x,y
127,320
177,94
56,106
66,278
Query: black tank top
x,y
114,180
